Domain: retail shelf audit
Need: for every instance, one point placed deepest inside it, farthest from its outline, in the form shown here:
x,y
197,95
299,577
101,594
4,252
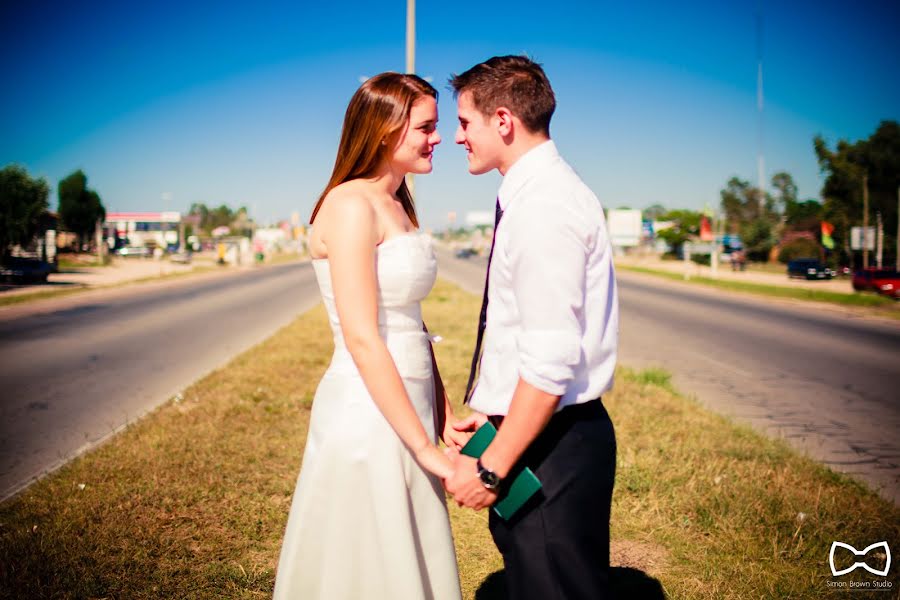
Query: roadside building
x,y
142,229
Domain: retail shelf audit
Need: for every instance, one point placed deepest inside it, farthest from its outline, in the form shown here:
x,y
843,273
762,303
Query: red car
x,y
882,281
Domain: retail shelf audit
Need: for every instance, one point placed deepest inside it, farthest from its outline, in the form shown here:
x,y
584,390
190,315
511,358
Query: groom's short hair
x,y
515,82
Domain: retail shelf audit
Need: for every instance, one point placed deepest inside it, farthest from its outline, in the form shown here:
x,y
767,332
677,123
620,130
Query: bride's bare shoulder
x,y
349,201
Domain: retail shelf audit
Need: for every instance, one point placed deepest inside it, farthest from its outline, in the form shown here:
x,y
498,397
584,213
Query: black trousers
x,y
557,546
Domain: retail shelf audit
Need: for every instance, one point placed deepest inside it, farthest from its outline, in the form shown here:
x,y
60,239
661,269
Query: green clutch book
x,y
513,494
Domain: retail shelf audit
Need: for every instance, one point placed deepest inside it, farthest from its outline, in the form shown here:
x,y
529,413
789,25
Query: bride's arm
x,y
351,257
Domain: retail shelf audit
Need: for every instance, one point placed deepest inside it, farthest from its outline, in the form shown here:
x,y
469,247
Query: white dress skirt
x,y
366,521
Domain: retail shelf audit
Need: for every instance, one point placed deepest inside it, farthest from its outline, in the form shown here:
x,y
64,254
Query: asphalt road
x,y
824,379
71,377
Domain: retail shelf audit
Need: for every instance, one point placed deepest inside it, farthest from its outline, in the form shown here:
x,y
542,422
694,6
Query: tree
x,y
79,207
210,218
740,202
685,223
759,238
200,210
786,191
798,216
803,216
759,225
878,158
654,212
23,201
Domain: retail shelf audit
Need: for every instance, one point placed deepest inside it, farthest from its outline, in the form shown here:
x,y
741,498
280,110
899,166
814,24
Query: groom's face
x,y
482,140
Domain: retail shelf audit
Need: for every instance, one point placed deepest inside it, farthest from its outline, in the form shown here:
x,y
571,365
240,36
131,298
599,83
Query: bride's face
x,y
416,146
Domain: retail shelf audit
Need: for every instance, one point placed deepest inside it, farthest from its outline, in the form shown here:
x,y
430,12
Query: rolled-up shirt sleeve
x,y
547,255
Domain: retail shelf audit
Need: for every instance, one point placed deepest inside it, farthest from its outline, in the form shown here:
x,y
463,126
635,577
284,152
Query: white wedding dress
x,y
367,522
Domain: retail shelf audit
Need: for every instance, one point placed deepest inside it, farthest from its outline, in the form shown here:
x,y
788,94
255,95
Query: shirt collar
x,y
521,170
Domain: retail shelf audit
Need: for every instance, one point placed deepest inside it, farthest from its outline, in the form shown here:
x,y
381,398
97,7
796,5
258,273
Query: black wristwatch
x,y
489,479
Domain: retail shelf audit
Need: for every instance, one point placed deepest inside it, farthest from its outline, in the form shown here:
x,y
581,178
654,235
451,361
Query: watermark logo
x,y
839,556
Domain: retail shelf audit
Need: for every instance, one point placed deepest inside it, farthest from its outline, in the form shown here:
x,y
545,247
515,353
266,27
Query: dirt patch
x,y
643,556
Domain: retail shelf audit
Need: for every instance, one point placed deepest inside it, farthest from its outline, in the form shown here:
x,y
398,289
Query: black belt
x,y
569,414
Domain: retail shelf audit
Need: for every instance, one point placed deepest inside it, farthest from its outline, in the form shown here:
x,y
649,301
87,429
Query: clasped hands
x,y
464,484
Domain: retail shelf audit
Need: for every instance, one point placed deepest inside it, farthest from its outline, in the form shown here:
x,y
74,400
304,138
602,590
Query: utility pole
x,y
410,36
411,68
100,241
879,239
760,105
897,255
865,235
686,251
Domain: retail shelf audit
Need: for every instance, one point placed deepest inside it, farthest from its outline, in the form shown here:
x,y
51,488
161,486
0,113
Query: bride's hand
x,y
433,460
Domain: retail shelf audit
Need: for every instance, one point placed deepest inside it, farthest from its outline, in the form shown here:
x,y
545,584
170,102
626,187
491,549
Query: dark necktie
x,y
482,320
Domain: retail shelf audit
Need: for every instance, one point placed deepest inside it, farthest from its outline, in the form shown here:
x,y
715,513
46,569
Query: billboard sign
x,y
625,227
856,238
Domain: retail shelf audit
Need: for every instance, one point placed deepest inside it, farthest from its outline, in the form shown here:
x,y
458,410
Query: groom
x,y
550,338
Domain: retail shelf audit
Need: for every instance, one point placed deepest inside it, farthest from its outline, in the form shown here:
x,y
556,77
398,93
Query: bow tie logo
x,y
857,555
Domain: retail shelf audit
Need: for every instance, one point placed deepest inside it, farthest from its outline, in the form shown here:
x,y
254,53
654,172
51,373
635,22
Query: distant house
x,y
147,229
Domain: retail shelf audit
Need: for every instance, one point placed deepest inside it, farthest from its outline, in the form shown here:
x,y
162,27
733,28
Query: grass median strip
x,y
191,501
10,300
797,293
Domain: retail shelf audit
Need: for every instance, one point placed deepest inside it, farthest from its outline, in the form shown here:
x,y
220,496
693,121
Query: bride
x,y
368,517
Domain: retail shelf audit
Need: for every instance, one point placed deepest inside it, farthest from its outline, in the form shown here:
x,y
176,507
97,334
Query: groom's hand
x,y
471,423
466,486
457,433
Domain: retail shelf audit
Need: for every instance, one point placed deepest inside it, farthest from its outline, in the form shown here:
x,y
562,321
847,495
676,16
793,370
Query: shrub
x,y
800,248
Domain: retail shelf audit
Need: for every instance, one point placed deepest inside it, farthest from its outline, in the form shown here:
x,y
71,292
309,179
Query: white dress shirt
x,y
553,312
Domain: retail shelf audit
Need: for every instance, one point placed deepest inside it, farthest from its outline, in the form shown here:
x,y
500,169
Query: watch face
x,y
489,479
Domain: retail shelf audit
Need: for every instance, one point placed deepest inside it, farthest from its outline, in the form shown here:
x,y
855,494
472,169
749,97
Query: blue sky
x,y
164,104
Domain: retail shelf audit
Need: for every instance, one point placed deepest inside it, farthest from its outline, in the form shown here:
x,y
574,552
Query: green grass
x,y
191,501
765,267
797,293
281,258
653,376
65,262
40,295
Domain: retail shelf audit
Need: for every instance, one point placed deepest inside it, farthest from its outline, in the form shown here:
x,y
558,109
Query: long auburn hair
x,y
376,117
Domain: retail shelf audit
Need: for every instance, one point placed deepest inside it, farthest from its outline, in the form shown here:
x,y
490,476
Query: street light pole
x,y
410,36
879,239
411,68
865,235
760,106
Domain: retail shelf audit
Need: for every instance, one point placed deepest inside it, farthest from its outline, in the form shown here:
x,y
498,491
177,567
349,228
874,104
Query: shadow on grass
x,y
634,583
625,582
493,588
36,285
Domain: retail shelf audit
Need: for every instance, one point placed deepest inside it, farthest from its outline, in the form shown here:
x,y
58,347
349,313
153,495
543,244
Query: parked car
x,y
134,251
183,258
888,283
465,253
881,281
31,270
809,268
